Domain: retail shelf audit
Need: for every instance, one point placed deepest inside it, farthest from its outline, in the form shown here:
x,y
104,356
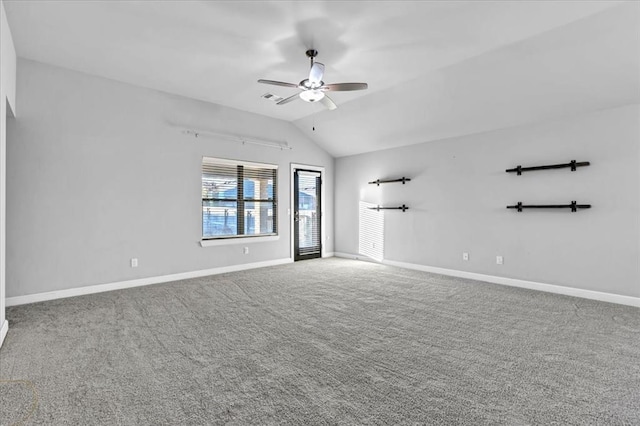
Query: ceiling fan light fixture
x,y
311,95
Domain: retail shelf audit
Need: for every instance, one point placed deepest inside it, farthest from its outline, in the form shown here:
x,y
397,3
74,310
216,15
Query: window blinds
x,y
238,198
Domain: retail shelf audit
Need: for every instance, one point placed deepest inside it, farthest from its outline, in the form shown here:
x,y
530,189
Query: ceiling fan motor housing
x,y
308,85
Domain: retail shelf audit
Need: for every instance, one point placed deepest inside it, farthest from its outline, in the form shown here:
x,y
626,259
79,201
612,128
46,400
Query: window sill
x,y
238,240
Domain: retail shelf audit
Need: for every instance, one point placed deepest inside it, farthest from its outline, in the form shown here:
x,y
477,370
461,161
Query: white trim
x,y
323,227
345,255
61,294
214,161
328,254
238,240
3,331
512,282
355,257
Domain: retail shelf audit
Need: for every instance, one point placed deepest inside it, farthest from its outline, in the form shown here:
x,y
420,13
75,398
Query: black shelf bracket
x,y
573,165
379,181
378,208
574,206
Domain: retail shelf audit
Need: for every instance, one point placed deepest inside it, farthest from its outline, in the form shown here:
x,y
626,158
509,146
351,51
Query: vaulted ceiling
x,y
434,69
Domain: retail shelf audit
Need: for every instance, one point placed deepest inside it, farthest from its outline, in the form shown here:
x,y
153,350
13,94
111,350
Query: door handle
x,y
296,216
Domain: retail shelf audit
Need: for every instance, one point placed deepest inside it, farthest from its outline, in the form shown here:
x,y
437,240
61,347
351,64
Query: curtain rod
x,y
236,138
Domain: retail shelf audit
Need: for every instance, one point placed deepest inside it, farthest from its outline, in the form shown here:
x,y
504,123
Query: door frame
x,y
321,170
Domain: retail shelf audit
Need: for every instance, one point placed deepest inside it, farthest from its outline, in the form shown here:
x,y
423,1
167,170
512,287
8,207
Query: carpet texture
x,y
329,341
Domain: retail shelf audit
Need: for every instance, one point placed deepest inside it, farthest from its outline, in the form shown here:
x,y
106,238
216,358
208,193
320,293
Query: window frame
x,y
240,201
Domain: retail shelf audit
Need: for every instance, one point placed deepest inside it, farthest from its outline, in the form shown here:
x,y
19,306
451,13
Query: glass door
x,y
307,214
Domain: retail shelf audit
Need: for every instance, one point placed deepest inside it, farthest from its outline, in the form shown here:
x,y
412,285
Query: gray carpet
x,y
328,341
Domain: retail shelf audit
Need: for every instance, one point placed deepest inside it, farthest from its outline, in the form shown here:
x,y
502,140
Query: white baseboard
x,y
79,291
3,331
345,255
532,285
512,282
355,257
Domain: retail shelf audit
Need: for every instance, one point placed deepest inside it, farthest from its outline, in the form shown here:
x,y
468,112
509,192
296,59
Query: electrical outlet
x,y
134,262
245,250
465,256
499,260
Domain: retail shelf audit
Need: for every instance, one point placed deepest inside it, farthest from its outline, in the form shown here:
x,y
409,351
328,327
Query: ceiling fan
x,y
313,88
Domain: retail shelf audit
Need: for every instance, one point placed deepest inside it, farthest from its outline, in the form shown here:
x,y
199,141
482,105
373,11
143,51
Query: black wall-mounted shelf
x,y
573,206
379,181
402,207
573,165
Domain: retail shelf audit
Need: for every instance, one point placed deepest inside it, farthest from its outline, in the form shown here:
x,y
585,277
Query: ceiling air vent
x,y
272,97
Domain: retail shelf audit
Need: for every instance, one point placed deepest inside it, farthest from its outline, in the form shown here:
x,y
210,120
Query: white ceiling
x,y
435,69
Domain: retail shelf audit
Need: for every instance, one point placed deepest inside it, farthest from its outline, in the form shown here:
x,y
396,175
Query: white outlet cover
x,y
465,256
499,260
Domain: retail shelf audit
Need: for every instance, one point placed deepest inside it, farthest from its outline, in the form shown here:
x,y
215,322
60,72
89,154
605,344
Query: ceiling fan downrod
x,y
311,53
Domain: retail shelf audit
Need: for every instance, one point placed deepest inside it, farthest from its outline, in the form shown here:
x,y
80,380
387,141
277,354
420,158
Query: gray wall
x,y
459,191
96,176
7,108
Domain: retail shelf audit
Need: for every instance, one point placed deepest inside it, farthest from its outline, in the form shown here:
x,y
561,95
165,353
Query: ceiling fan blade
x,y
328,103
289,99
278,83
316,73
345,87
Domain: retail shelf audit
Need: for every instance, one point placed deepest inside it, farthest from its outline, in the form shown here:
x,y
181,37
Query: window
x,y
239,199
